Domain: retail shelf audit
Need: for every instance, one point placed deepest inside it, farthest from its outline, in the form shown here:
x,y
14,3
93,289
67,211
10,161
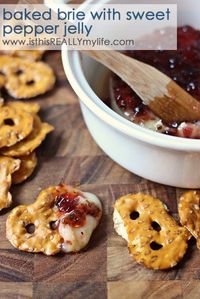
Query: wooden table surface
x,y
105,269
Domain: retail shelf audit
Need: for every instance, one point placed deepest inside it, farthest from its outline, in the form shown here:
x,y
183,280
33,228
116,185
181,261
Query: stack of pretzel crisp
x,y
62,218
21,129
21,132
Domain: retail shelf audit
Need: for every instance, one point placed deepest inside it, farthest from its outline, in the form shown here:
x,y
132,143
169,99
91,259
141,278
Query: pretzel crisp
x,y
189,213
27,166
154,238
54,222
31,55
25,79
15,125
28,107
7,167
28,145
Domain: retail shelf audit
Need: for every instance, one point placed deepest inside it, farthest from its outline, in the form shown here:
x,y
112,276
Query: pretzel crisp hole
x,y
134,215
30,82
155,226
18,72
155,246
9,122
30,228
2,73
53,225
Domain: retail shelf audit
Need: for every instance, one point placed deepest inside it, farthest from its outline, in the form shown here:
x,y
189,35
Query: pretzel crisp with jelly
x,y
154,238
29,144
7,167
25,79
61,219
27,166
15,125
189,213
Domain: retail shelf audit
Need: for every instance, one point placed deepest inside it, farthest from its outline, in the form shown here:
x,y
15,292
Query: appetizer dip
x,y
183,66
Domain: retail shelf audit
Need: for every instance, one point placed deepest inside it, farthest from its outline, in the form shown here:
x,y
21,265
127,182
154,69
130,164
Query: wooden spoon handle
x,y
165,98
138,75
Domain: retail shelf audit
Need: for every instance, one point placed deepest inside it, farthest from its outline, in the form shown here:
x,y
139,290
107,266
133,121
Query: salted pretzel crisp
x,y
61,219
27,166
189,213
25,79
28,107
15,125
7,167
31,55
29,144
154,238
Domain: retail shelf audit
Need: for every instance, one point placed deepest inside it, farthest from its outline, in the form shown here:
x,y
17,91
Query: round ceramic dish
x,y
168,160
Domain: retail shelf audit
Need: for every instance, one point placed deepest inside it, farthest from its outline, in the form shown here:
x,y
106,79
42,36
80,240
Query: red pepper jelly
x,y
183,66
66,202
75,208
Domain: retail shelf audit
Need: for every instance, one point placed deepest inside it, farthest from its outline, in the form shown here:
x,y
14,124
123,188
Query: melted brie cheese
x,y
76,238
154,124
119,225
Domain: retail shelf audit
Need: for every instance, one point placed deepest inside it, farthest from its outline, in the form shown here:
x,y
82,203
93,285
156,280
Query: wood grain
x,y
89,290
145,290
61,158
20,290
105,269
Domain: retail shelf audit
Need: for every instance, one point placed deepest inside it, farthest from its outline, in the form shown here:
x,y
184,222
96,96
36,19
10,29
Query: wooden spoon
x,y
164,97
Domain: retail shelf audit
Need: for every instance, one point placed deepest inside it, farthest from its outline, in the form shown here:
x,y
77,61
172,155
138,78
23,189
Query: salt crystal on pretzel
x,y
7,167
61,219
154,238
28,145
189,213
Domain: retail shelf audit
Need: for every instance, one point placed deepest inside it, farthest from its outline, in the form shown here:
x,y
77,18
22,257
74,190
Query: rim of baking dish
x,y
74,72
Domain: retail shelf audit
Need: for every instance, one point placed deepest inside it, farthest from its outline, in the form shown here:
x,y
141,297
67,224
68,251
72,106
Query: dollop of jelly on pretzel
x,y
61,219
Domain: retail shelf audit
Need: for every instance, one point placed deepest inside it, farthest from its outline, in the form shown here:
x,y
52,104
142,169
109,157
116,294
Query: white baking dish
x,y
168,160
